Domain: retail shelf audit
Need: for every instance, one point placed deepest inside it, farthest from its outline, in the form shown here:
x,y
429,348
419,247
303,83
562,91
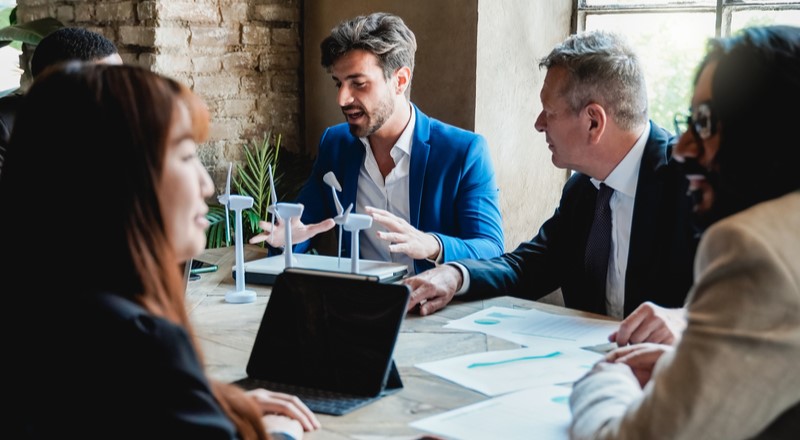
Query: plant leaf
x,y
31,32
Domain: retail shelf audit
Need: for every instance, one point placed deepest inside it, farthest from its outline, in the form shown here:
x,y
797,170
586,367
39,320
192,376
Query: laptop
x,y
328,338
264,270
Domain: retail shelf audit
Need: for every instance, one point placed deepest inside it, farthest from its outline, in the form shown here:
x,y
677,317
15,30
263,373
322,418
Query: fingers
x,y
430,306
388,220
281,424
633,325
287,405
322,226
419,292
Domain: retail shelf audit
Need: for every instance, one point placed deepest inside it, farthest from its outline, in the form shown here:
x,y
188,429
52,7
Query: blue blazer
x,y
452,187
661,249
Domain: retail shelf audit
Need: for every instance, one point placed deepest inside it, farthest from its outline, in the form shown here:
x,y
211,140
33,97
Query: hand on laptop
x,y
284,405
275,234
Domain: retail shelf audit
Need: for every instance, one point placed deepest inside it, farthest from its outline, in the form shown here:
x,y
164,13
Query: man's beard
x,y
725,203
376,118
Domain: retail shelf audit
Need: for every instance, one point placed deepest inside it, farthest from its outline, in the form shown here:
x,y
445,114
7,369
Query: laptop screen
x,y
329,331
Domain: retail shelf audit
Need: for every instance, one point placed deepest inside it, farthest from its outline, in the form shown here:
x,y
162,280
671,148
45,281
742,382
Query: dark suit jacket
x,y
100,366
452,187
661,252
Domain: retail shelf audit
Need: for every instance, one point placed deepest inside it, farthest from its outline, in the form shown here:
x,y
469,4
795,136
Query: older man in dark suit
x,y
608,255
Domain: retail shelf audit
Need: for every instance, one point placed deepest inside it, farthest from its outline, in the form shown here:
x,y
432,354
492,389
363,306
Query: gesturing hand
x,y
403,237
275,234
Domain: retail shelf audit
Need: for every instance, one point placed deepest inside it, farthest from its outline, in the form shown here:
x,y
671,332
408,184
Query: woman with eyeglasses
x,y
733,373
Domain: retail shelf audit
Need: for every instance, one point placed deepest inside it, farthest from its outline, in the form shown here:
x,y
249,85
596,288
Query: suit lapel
x,y
646,209
353,159
420,151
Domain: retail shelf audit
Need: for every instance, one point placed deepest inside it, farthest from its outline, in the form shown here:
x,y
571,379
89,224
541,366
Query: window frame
x,y
723,10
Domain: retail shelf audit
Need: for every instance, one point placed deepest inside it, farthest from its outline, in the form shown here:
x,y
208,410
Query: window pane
x,y
670,46
741,19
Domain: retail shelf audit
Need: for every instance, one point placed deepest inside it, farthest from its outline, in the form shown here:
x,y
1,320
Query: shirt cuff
x,y
439,255
464,277
276,435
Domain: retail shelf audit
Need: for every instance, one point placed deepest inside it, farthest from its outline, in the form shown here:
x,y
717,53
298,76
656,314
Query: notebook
x,y
328,338
264,270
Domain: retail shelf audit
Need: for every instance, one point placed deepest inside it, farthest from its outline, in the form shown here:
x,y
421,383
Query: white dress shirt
x,y
623,179
390,194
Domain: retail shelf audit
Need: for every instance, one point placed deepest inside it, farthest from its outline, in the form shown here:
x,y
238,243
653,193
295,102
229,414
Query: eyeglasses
x,y
702,121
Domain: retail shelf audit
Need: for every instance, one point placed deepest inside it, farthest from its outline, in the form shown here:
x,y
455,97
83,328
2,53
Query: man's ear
x,y
598,119
403,79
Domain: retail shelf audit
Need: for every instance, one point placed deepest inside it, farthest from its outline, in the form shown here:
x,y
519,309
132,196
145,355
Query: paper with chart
x,y
533,328
499,372
540,412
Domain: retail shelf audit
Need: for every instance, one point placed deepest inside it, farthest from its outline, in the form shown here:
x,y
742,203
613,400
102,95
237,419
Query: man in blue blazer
x,y
595,120
429,186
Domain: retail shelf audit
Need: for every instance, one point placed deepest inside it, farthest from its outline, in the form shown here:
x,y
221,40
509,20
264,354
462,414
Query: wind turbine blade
x,y
331,180
273,196
339,260
228,182
227,205
347,214
227,226
336,201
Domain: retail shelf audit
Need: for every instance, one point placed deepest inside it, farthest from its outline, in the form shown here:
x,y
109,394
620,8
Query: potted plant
x,y
252,180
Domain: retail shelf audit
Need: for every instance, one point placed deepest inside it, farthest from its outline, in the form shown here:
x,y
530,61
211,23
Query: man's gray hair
x,y
383,34
602,68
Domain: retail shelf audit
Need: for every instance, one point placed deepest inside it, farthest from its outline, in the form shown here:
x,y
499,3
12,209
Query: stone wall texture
x,y
244,57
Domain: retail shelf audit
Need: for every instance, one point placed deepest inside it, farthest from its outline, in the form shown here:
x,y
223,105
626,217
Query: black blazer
x,y
95,366
661,251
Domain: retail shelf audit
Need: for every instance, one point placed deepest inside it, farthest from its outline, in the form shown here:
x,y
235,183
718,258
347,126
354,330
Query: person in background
x,y
429,186
733,373
69,43
595,120
102,345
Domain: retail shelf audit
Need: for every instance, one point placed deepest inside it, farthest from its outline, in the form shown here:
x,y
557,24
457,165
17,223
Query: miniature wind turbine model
x,y
237,203
285,212
331,180
352,223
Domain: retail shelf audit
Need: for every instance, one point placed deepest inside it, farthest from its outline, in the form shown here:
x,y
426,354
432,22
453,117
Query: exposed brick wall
x,y
244,57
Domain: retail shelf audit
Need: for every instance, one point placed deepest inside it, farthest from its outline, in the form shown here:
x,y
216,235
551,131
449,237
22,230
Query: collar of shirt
x,y
625,175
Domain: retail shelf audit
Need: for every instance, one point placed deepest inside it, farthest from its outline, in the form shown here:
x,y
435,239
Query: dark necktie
x,y
598,247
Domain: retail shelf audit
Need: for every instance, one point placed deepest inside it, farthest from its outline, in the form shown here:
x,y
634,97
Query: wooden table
x,y
226,333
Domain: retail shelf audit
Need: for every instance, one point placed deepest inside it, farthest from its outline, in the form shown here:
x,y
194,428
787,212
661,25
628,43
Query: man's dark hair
x,y
383,34
70,43
757,76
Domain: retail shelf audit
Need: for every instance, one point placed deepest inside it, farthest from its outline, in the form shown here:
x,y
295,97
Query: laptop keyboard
x,y
319,401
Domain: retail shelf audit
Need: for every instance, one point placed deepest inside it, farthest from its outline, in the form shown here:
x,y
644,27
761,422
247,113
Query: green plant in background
x,y
15,34
252,180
